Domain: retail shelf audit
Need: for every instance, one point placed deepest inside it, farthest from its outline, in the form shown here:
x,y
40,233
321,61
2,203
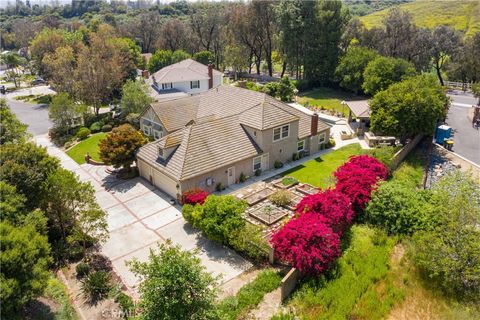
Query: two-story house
x,y
214,137
184,78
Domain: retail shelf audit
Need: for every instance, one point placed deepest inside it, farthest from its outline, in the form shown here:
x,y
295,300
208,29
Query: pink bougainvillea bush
x,y
358,177
195,196
332,206
307,243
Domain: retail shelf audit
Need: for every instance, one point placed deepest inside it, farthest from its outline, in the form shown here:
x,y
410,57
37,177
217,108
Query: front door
x,y
265,162
231,175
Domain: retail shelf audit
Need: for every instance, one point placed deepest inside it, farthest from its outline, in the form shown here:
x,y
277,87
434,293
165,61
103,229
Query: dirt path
x,y
270,305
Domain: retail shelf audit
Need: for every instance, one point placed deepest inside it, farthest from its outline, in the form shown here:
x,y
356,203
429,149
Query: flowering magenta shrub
x,y
195,196
332,206
358,177
307,243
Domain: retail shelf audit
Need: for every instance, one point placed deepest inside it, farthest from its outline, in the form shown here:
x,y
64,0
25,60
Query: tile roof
x,y
359,108
208,129
186,70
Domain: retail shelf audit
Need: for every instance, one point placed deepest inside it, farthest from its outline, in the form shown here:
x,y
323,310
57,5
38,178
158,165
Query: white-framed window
x,y
157,134
301,145
321,138
195,84
146,130
257,163
281,132
167,86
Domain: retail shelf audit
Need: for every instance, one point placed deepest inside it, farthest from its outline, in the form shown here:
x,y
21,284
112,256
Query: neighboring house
x,y
214,137
184,78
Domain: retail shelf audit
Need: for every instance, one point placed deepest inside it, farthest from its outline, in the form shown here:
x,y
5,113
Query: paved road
x,y
462,99
466,138
34,115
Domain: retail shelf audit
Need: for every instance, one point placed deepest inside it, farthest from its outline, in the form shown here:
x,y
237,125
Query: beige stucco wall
x,y
218,176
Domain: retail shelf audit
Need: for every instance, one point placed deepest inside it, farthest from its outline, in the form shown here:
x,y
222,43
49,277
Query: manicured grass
x,y
327,98
89,145
250,295
318,172
362,264
461,15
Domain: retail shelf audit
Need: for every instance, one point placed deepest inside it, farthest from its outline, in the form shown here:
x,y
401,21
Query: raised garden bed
x,y
307,189
286,182
268,213
258,196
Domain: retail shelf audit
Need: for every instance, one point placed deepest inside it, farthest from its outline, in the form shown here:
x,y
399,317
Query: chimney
x,y
314,125
210,76
145,74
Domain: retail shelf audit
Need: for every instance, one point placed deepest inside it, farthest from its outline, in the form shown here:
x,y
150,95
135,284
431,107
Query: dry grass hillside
x,y
462,15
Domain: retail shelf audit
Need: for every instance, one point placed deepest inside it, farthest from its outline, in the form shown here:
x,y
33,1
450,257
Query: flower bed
x,y
268,213
307,189
286,182
258,196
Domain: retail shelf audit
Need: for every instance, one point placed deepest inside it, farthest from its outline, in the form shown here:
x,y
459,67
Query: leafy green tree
x,y
59,67
384,71
450,252
12,204
12,60
72,210
408,108
160,59
218,217
119,147
285,89
24,259
204,57
180,55
175,286
26,166
399,209
351,67
445,42
63,110
11,129
135,97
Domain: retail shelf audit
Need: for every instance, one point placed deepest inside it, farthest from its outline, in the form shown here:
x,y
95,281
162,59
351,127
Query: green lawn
x,y
318,171
89,145
327,98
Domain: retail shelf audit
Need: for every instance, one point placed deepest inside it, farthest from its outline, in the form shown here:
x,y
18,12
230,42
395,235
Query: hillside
x,y
461,15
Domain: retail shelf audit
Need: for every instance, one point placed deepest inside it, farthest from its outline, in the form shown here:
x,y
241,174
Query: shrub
x,y
270,88
99,262
278,164
249,240
295,156
285,89
107,128
242,177
281,197
307,243
218,217
82,269
83,133
332,206
195,196
331,143
399,209
358,177
96,127
96,285
219,187
125,302
258,172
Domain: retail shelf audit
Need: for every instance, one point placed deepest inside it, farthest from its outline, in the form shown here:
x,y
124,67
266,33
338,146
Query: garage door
x,y
164,183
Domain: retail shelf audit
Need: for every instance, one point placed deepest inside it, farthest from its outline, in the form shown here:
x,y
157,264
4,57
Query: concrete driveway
x,y
140,217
